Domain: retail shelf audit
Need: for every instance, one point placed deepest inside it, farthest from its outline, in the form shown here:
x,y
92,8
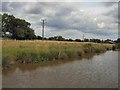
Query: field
x,y
36,51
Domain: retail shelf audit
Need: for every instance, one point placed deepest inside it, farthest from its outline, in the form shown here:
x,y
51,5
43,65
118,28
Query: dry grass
x,y
36,51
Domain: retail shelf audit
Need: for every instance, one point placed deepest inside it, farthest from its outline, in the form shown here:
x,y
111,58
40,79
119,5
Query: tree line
x,y
60,38
20,29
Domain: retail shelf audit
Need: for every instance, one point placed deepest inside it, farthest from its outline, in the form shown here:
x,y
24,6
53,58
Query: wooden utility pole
x,y
43,23
83,37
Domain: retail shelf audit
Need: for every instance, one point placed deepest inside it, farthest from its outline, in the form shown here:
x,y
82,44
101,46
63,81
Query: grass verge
x,y
39,51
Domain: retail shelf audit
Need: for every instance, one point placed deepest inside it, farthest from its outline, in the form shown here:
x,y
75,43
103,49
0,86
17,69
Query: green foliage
x,y
118,46
59,38
18,28
7,59
118,40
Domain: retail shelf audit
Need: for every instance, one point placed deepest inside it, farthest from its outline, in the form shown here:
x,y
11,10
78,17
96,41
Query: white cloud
x,y
61,0
72,20
101,25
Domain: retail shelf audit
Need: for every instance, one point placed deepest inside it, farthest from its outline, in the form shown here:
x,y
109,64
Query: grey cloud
x,y
4,7
66,16
113,11
107,4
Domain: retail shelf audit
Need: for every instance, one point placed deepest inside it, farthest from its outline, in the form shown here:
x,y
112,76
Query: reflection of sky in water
x,y
100,72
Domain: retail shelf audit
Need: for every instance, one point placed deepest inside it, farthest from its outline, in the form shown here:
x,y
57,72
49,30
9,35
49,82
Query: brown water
x,y
100,71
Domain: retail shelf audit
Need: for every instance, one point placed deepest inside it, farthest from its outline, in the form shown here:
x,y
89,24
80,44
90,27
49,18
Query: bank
x,y
36,51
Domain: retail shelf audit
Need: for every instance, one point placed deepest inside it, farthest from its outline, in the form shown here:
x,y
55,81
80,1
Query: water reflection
x,y
31,67
100,71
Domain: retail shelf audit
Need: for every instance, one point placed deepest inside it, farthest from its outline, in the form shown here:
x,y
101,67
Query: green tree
x,y
7,23
86,40
118,40
19,28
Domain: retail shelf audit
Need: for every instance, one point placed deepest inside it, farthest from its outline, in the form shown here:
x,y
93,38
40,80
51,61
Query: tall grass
x,y
118,46
39,51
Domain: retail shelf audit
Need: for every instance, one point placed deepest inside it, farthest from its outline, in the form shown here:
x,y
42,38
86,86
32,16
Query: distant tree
x,y
51,38
102,41
39,37
118,40
86,40
58,38
0,22
78,40
107,41
95,40
70,39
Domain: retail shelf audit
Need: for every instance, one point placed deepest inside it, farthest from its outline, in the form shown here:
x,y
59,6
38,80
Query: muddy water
x,y
99,71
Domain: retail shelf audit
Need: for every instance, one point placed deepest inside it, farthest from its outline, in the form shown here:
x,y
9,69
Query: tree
x,y
58,38
19,28
78,40
107,41
95,40
7,23
86,40
39,37
118,40
29,34
70,39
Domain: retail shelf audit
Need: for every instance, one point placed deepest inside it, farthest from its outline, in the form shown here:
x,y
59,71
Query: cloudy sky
x,y
69,19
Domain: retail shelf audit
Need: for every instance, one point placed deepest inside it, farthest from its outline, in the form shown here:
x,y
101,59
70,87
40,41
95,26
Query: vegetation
x,y
28,48
117,44
16,28
19,29
15,51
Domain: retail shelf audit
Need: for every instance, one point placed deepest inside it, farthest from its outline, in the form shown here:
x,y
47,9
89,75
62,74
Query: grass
x,y
39,51
118,46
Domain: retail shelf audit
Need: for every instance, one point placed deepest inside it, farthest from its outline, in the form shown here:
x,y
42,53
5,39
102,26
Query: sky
x,y
68,18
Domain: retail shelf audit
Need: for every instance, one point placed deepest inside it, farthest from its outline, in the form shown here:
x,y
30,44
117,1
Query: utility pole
x,y
83,37
43,23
